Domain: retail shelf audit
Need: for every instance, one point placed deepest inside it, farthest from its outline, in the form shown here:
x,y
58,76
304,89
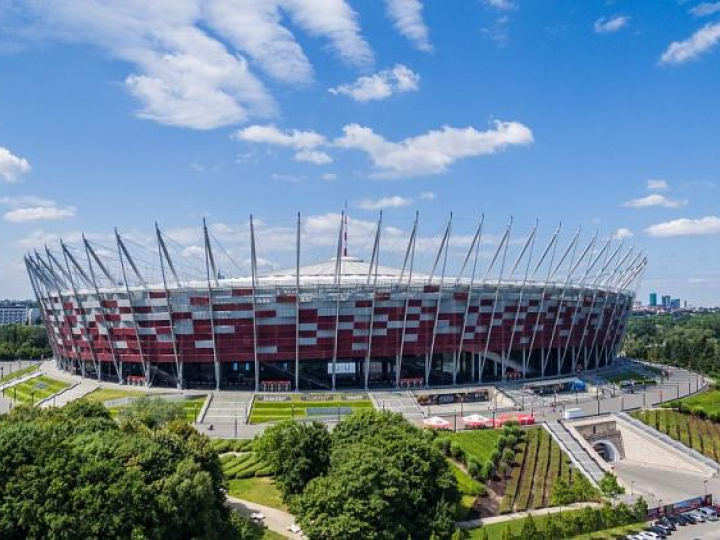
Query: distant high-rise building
x,y
675,303
653,299
666,301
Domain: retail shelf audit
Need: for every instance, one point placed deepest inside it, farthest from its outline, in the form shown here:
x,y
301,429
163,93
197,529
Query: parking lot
x,y
706,531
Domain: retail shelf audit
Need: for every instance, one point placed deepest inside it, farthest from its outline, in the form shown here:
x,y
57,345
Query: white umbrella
x,y
436,422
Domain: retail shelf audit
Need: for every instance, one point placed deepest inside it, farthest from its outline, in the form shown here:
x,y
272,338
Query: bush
x,y
495,456
487,471
714,416
474,469
457,452
699,412
508,455
443,445
501,442
511,441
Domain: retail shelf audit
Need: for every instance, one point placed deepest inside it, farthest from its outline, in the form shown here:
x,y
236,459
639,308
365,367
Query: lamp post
x,y
705,485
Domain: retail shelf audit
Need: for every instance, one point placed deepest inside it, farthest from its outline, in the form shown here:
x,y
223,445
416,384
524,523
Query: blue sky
x,y
601,114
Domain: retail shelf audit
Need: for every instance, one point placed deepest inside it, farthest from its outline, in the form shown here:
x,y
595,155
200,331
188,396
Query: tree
x,y
640,509
610,487
589,520
562,495
529,529
152,412
296,453
553,529
74,473
386,480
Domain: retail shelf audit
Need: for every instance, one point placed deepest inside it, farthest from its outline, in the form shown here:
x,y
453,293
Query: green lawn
x,y
469,489
296,407
193,407
260,490
710,401
17,373
477,444
106,394
35,389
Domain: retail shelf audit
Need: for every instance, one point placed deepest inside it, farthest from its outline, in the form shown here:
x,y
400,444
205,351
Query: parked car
x,y
697,516
709,513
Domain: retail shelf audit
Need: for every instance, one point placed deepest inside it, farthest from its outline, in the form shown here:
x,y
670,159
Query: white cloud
x,y
30,208
622,233
317,157
408,19
428,196
657,185
305,142
189,67
503,5
605,25
685,227
395,201
335,20
706,8
654,199
329,177
700,42
193,252
12,166
26,200
39,213
381,85
432,152
255,27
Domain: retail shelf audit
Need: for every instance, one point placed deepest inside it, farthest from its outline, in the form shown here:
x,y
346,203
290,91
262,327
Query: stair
x,y
579,456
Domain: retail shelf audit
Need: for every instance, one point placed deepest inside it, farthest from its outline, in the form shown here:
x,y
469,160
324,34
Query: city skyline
x,y
601,116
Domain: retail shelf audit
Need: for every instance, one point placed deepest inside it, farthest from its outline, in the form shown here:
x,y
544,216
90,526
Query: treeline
x,y
690,341
22,342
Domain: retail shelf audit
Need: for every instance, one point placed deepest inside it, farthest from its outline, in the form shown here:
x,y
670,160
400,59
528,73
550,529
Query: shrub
x,y
444,445
474,469
495,456
457,452
501,442
699,412
511,441
487,471
714,416
508,455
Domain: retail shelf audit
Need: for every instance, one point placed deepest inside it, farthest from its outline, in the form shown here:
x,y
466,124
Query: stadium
x,y
556,308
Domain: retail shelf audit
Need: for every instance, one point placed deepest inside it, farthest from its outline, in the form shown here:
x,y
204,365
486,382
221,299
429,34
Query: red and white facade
x,y
344,323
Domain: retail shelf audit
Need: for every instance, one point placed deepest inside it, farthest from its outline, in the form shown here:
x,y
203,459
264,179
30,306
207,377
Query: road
x,y
275,520
704,531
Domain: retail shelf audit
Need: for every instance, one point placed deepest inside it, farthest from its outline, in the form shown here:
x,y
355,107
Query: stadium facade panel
x,y
343,323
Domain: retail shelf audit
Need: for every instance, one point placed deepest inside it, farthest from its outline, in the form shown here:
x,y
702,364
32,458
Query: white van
x,y
710,513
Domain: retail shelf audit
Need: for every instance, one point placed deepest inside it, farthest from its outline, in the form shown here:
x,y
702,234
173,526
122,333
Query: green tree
x,y
553,528
640,509
386,480
589,520
562,495
296,453
74,473
610,487
152,412
529,529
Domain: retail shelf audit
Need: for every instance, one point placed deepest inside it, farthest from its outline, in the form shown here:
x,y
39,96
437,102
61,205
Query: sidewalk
x,y
519,515
275,520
